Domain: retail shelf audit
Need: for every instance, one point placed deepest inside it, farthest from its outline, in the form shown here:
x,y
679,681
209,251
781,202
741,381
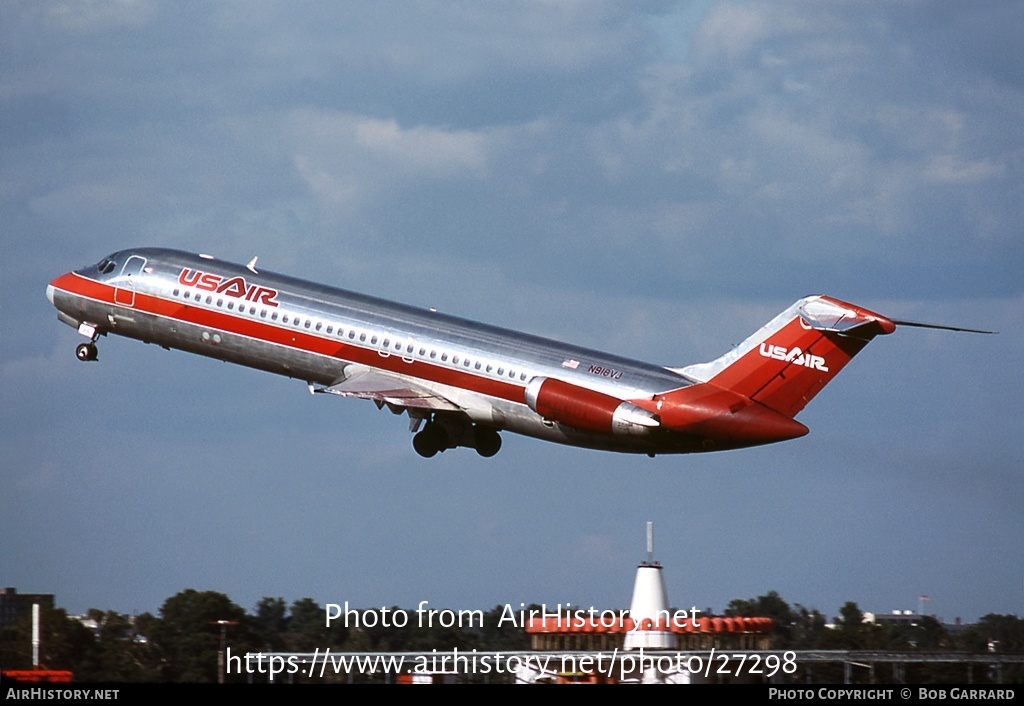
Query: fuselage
x,y
319,334
463,382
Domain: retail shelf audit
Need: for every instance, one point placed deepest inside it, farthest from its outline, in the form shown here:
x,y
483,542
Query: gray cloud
x,y
658,179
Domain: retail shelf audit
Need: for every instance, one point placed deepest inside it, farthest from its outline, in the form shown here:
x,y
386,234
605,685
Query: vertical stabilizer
x,y
787,362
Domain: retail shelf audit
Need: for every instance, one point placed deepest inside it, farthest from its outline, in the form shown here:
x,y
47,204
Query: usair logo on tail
x,y
795,356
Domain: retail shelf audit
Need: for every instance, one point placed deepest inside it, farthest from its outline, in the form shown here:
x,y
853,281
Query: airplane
x,y
462,382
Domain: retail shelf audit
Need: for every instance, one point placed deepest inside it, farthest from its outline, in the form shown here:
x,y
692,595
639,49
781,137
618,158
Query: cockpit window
x,y
106,266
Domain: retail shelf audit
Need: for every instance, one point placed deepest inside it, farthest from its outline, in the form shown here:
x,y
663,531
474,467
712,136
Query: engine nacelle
x,y
586,409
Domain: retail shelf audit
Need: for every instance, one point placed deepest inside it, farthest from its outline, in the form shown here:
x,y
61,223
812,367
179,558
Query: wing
x,y
385,388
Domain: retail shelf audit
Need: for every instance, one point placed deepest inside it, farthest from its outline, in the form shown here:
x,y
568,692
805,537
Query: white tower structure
x,y
649,604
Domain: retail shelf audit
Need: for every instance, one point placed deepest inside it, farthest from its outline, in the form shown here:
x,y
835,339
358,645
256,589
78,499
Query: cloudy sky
x,y
655,179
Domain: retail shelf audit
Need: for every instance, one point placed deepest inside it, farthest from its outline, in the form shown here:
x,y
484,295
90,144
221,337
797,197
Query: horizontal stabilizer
x,y
827,314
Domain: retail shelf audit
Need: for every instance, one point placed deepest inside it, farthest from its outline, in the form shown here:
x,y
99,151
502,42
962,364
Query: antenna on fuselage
x,y
252,265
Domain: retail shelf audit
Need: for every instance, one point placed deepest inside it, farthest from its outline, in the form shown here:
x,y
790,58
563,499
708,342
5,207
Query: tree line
x,y
181,644
799,628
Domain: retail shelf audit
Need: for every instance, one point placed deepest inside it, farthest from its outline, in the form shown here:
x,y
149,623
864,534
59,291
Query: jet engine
x,y
587,409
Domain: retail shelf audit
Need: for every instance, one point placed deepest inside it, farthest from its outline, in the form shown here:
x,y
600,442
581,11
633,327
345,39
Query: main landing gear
x,y
436,437
430,440
487,441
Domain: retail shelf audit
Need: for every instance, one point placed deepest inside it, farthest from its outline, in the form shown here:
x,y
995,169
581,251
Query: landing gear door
x,y
124,291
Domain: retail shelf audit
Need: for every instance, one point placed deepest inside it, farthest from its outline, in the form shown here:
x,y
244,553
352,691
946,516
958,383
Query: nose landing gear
x,y
86,351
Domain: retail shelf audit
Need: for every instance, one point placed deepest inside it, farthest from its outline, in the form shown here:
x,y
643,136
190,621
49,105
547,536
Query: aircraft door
x,y
124,291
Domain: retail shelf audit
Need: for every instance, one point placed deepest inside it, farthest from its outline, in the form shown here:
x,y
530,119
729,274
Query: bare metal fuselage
x,y
465,380
315,333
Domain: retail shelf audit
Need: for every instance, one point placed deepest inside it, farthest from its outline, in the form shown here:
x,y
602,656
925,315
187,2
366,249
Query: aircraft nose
x,y
59,282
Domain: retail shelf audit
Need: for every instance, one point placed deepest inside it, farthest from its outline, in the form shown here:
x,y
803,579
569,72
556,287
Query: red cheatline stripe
x,y
288,336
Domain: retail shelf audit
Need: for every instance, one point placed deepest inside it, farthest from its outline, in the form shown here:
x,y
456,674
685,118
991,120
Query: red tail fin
x,y
787,362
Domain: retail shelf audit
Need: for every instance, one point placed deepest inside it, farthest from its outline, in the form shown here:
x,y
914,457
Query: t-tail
x,y
751,394
787,362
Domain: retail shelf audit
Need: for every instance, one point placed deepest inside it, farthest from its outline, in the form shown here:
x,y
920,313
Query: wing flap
x,y
368,384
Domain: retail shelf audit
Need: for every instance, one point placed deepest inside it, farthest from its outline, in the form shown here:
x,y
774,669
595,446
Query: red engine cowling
x,y
587,409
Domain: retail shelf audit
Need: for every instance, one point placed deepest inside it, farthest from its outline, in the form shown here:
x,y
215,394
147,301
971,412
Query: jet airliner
x,y
462,382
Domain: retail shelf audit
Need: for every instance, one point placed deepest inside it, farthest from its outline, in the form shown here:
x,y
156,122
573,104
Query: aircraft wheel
x,y
488,442
86,351
431,440
424,444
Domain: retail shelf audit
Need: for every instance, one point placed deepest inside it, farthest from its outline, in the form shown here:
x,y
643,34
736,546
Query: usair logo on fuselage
x,y
234,287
